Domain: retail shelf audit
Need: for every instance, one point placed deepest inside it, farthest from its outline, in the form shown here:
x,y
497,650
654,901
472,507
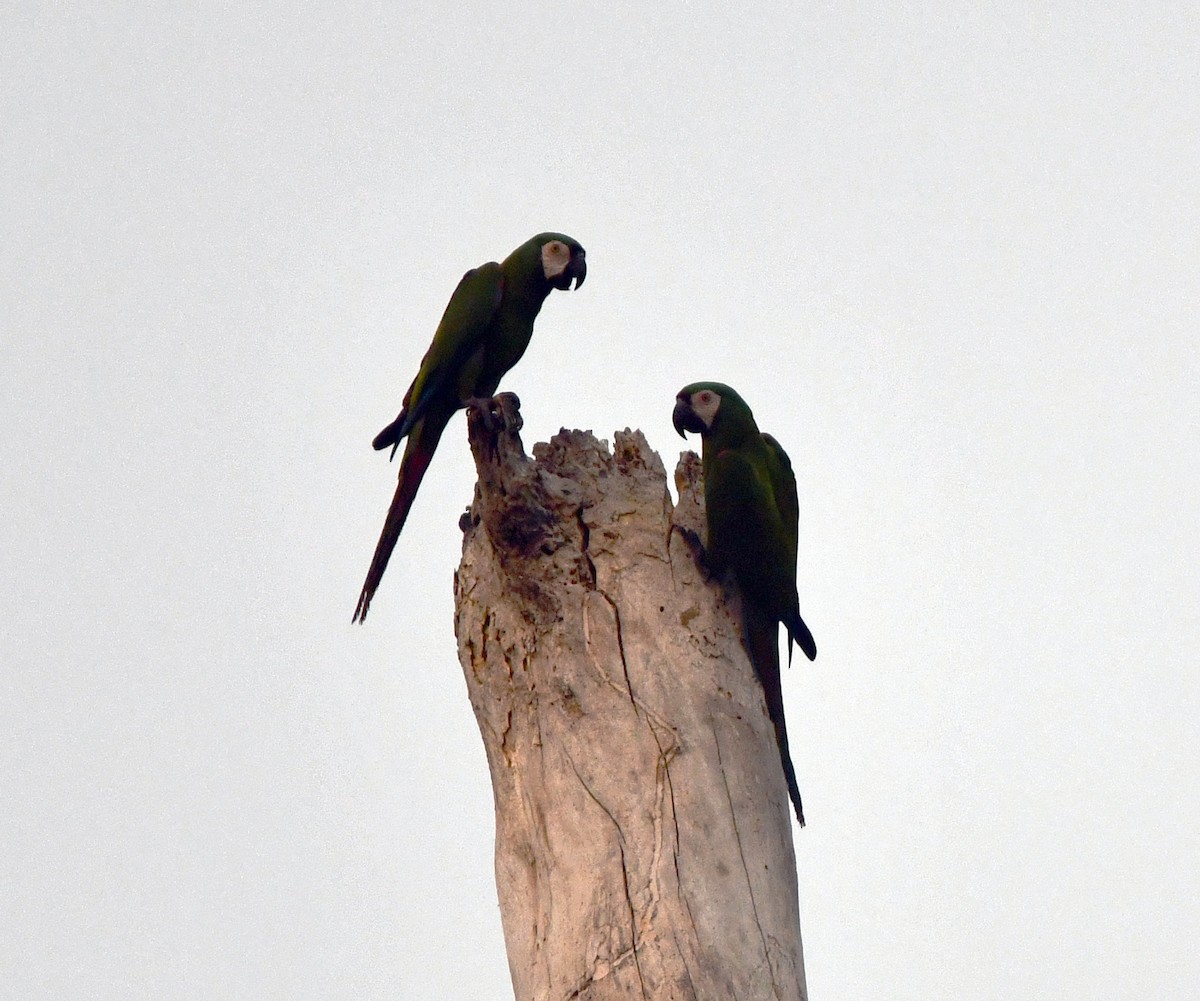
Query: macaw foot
x,y
697,547
497,413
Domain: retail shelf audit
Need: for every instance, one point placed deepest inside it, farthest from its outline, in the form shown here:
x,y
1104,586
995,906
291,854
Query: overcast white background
x,y
948,254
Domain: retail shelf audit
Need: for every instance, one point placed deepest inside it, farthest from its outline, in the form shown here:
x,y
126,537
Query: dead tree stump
x,y
643,832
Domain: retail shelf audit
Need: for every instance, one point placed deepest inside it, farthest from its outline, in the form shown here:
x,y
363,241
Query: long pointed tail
x,y
762,635
417,453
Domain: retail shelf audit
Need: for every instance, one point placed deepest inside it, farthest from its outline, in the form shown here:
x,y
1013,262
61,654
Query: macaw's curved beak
x,y
576,268
684,417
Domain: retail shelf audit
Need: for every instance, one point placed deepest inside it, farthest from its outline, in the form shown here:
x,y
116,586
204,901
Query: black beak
x,y
684,417
576,268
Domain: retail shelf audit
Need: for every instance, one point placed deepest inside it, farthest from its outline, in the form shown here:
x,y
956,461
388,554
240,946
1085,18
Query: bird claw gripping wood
x,y
508,407
495,415
501,412
692,539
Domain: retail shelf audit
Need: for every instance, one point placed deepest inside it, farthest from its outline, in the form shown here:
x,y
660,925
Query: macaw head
x,y
552,259
697,407
562,259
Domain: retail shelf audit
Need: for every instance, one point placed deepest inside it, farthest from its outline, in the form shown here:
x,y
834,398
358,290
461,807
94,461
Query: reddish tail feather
x,y
412,471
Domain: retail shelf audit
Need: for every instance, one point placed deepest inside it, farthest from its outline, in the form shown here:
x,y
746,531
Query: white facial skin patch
x,y
705,405
555,258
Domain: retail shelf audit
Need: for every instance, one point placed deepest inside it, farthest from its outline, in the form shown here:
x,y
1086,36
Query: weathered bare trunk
x,y
643,833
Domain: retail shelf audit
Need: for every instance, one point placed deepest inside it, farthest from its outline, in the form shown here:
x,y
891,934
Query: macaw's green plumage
x,y
483,333
753,515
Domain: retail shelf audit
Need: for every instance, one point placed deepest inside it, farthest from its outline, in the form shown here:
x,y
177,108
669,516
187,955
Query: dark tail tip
x,y
387,438
799,634
394,433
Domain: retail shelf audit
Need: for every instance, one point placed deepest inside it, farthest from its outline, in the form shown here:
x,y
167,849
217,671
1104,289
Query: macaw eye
x,y
706,397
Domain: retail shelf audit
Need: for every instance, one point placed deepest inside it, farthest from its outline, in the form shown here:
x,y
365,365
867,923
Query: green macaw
x,y
753,513
483,333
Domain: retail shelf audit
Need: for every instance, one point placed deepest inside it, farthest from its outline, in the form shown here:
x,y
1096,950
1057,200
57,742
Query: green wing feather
x,y
783,487
746,530
787,502
460,334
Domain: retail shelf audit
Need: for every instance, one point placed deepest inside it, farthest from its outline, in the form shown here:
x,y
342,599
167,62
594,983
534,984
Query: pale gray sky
x,y
948,256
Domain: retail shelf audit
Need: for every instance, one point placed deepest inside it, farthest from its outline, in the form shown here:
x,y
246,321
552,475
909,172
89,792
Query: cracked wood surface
x,y
643,832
